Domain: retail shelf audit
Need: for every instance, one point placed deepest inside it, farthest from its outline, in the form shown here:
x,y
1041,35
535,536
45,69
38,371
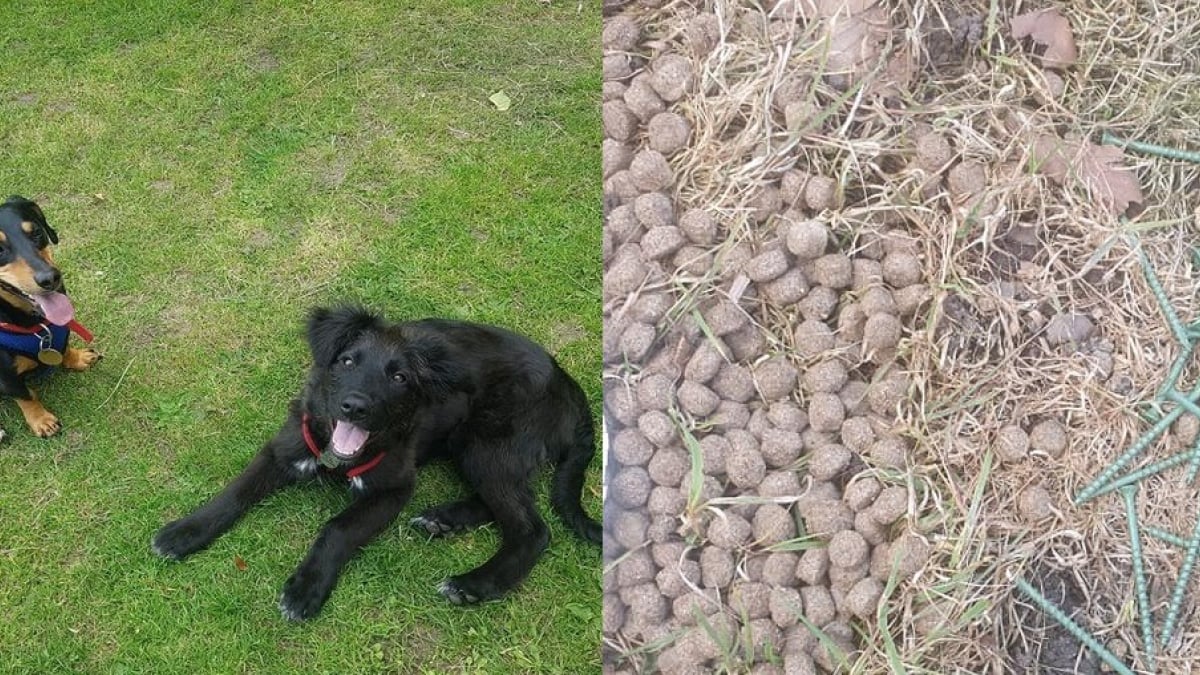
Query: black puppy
x,y
383,398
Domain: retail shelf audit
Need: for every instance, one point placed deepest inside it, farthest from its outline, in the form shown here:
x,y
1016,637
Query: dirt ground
x,y
875,316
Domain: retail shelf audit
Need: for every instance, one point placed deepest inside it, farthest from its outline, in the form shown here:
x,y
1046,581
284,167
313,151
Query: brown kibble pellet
x,y
636,341
661,242
813,338
848,549
933,152
668,466
791,186
654,209
612,90
767,265
967,178
827,376
704,363
651,171
878,300
842,650
827,461
1034,503
842,579
671,76
655,392
780,568
885,395
744,466
658,428
820,193
628,528
713,450
825,412
850,321
780,447
734,383
813,566
668,133
614,156
730,416
635,568
825,517
729,531
630,487
881,335
686,607
642,100
833,270
776,378
613,612
889,452
873,532
697,399
910,298
703,33
779,484
890,505
620,34
818,604
866,273
621,402
773,524
854,397
857,434
863,599
789,288
694,260
901,269
619,121
819,303
631,448
646,605
786,606
861,492
623,224
807,239
621,187
625,275
699,226
716,567
1012,444
746,344
787,415
1049,437
724,318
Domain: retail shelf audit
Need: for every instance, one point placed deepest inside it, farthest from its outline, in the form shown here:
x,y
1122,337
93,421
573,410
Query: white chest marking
x,y
356,483
305,466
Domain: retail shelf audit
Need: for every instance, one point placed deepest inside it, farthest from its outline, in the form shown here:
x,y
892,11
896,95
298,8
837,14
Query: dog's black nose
x,y
49,278
354,406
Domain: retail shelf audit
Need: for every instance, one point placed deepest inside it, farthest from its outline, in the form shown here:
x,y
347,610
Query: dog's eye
x,y
347,361
399,377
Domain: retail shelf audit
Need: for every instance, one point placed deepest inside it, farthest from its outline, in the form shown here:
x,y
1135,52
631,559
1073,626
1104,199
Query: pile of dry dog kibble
x,y
764,364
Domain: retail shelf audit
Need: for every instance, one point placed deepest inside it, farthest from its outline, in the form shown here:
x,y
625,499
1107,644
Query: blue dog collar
x,y
31,341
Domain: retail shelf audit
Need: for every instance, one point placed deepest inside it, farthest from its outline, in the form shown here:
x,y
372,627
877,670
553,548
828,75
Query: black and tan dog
x,y
35,313
383,398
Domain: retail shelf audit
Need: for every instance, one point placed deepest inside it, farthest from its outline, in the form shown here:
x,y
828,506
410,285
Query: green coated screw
x,y
1144,472
1163,535
1072,627
1160,294
1150,148
1129,493
1185,573
1181,361
1134,450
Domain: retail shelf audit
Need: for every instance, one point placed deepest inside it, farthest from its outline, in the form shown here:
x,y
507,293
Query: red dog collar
x,y
316,452
76,328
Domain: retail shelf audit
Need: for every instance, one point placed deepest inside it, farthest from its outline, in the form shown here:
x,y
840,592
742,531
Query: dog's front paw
x,y
303,595
179,539
461,590
43,423
81,359
431,526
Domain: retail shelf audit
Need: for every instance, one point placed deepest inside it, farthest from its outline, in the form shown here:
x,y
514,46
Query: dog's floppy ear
x,y
330,331
33,213
437,372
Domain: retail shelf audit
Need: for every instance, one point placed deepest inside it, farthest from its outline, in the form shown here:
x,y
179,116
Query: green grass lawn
x,y
215,169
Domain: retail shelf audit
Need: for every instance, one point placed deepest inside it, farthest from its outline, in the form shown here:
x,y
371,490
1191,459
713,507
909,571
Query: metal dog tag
x,y
330,460
50,357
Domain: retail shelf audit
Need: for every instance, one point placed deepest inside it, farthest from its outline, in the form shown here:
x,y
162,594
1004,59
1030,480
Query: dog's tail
x,y
566,490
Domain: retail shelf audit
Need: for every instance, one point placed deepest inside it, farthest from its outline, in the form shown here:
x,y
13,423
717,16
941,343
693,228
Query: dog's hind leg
x,y
502,478
451,517
265,474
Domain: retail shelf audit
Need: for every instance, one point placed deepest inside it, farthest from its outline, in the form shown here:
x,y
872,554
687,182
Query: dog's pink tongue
x,y
56,307
347,439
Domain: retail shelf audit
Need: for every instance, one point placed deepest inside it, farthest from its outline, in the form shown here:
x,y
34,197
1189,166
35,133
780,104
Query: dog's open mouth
x,y
54,306
348,439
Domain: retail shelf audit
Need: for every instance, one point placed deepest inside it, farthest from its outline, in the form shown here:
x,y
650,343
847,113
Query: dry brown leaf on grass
x,y
1098,167
1050,29
855,30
